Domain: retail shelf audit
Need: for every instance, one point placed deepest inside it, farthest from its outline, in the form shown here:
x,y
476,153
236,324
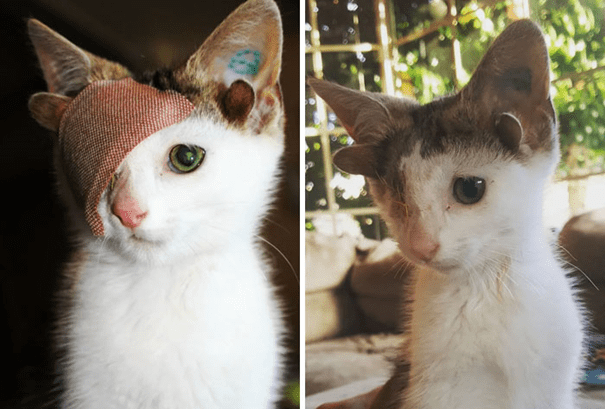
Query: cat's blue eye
x,y
185,158
469,190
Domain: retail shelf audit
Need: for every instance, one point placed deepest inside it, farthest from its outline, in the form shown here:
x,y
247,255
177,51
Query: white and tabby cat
x,y
172,308
493,322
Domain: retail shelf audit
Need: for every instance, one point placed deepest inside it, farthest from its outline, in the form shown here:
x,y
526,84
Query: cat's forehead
x,y
470,161
442,127
436,142
202,93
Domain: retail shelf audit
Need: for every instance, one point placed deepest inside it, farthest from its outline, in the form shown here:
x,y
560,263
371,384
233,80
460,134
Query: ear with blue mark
x,y
244,49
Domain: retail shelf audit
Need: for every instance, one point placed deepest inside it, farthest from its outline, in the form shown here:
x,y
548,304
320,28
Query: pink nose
x,y
424,250
130,218
128,210
422,244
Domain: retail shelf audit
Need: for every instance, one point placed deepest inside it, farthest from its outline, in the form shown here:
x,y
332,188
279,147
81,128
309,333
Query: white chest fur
x,y
513,347
202,334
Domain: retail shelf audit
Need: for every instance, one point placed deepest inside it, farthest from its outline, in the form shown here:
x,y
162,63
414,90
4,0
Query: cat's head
x,y
458,180
201,181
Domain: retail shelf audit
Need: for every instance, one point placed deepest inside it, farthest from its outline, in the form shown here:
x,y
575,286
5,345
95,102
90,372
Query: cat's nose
x,y
128,210
128,217
126,205
424,250
423,244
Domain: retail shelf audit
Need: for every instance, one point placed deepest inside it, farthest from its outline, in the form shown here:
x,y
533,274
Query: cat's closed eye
x,y
469,190
185,158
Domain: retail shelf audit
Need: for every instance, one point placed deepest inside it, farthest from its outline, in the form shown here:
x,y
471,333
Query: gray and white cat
x,y
493,321
173,308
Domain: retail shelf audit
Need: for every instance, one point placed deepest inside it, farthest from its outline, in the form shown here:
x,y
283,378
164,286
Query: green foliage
x,y
427,64
575,33
292,393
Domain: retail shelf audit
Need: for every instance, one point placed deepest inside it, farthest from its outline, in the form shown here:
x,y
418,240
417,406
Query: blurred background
x,y
141,35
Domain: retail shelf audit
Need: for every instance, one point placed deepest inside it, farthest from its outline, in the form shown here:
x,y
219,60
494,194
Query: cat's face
x,y
458,180
199,183
459,209
189,189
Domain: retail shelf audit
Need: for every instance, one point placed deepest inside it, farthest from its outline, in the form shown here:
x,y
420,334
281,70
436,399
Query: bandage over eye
x,y
102,125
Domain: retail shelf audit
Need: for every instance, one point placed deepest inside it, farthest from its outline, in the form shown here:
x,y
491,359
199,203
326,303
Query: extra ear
x,y
67,70
510,131
243,52
514,78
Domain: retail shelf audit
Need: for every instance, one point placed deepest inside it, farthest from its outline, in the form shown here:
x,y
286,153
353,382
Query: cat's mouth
x,y
441,266
444,268
140,238
438,264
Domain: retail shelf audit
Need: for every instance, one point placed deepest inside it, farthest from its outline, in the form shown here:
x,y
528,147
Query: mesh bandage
x,y
104,123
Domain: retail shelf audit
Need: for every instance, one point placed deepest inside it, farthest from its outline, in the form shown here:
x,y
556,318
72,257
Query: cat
x,y
167,301
493,320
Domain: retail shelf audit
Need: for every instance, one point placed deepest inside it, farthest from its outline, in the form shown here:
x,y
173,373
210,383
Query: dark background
x,y
33,243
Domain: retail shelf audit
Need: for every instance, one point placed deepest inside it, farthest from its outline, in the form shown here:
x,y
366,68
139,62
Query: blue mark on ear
x,y
245,62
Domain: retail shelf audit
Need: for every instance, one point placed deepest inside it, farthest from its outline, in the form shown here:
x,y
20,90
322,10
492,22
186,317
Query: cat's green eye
x,y
469,190
185,158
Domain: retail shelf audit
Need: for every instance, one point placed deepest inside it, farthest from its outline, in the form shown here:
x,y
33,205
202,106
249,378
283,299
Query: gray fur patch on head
x,y
439,128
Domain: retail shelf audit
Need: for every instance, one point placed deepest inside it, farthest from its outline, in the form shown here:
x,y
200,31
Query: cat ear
x,y
243,55
48,108
514,77
363,116
360,113
67,68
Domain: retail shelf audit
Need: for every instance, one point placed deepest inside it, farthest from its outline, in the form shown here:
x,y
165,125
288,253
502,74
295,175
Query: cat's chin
x,y
141,236
144,239
139,248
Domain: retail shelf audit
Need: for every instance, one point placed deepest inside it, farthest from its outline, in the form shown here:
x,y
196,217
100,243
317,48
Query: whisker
x,y
498,274
281,254
269,244
100,253
583,273
276,224
401,266
566,251
566,262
